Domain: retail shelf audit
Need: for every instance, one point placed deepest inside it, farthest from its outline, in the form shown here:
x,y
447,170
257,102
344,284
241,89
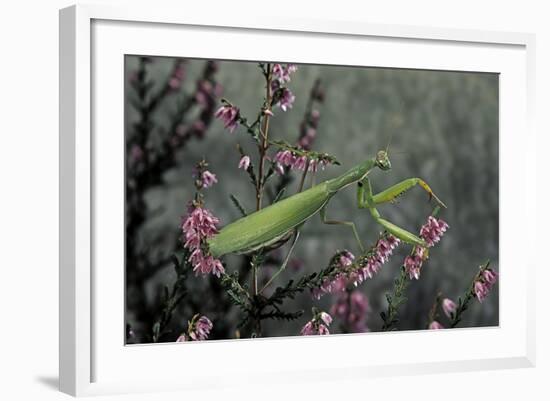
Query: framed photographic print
x,y
339,191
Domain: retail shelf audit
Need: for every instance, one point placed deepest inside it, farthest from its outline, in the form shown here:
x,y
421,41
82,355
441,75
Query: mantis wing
x,y
269,225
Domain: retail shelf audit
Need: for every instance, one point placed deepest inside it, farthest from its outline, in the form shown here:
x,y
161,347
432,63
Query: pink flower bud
x,y
449,307
244,162
435,325
208,179
325,317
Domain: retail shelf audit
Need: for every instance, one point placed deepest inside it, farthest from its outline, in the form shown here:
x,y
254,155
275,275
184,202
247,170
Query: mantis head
x,y
382,160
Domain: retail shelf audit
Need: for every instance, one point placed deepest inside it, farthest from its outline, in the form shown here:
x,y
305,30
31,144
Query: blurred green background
x,y
445,130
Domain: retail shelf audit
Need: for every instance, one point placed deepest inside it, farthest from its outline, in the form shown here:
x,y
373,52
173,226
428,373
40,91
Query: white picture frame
x,y
93,358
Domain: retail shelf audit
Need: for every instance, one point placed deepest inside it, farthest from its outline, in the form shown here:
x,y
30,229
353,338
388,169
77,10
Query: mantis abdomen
x,y
269,225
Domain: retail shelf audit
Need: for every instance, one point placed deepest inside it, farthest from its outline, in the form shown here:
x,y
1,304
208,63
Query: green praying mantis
x,y
276,223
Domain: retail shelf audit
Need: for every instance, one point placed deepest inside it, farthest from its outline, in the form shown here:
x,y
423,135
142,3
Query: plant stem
x,y
433,315
263,145
395,300
468,296
303,179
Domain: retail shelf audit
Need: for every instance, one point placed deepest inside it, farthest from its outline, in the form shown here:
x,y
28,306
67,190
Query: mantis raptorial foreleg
x,y
393,192
323,214
367,200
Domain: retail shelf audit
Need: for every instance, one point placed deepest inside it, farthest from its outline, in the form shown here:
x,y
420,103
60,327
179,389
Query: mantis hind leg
x,y
285,262
351,224
366,200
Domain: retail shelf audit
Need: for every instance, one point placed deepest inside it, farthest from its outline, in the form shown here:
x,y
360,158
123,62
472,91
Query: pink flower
x,y
208,179
490,276
291,68
435,325
286,99
323,330
182,338
449,307
205,264
278,71
299,163
308,329
284,157
229,115
325,317
199,329
244,162
346,259
481,290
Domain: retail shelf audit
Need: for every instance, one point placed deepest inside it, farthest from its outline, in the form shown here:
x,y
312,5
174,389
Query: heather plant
x,y
254,290
151,152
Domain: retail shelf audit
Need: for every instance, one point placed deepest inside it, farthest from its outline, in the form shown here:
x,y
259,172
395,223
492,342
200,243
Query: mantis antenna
x,y
396,121
389,142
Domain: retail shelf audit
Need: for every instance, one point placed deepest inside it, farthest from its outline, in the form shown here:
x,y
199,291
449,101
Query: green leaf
x,y
238,205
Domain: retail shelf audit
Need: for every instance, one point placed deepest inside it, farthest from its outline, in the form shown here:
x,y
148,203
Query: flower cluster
x,y
282,73
484,282
371,263
341,260
352,308
318,325
206,91
199,225
285,99
414,262
208,179
308,130
282,96
367,265
310,121
229,115
199,329
433,230
177,76
431,233
205,97
300,160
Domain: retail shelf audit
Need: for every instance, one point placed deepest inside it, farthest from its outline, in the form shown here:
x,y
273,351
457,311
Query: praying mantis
x,y
276,223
